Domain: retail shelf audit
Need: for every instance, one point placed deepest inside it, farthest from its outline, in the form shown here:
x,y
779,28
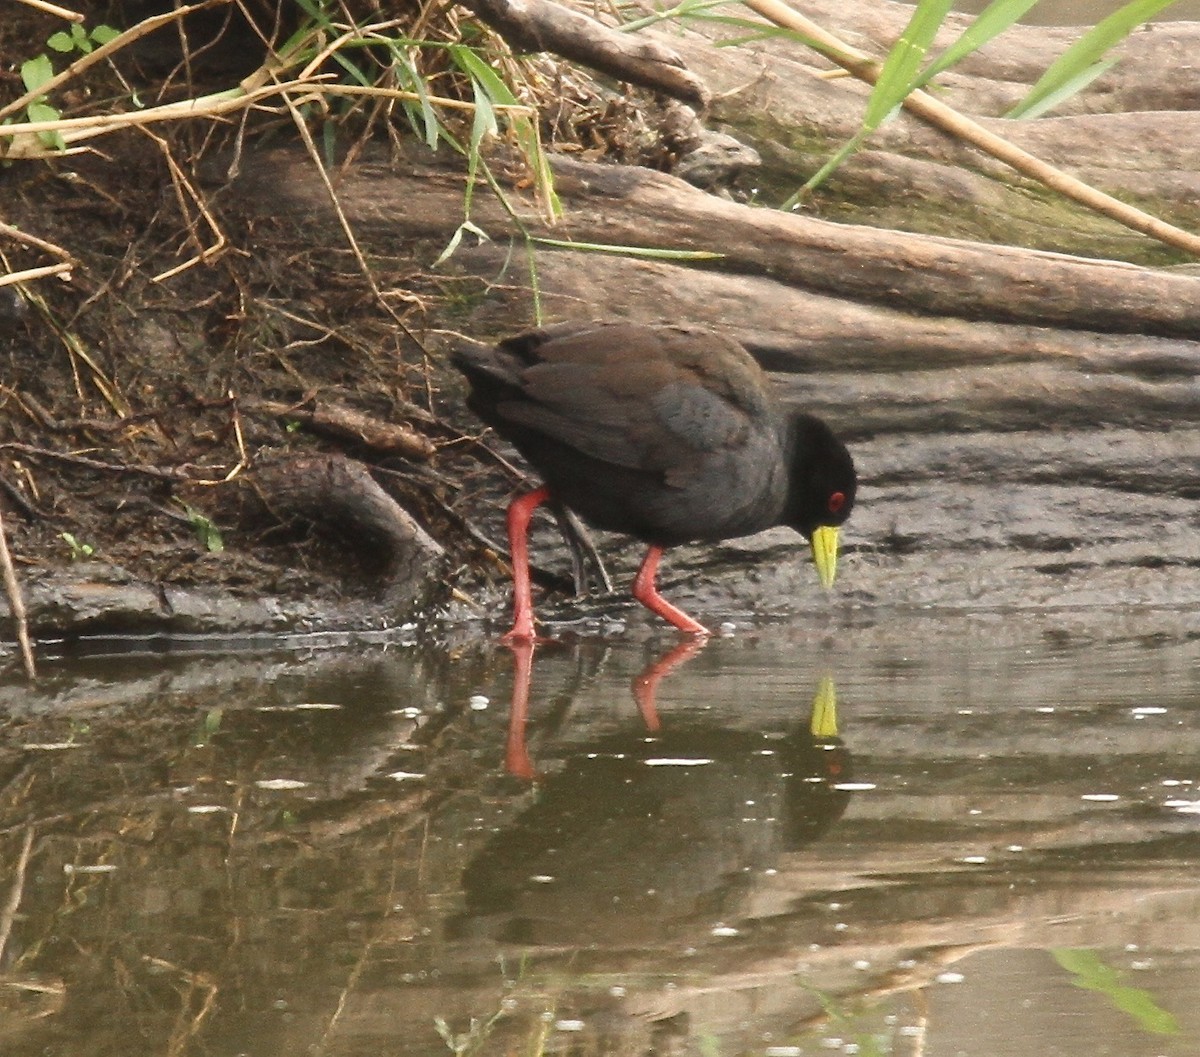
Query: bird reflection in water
x,y
645,690
642,833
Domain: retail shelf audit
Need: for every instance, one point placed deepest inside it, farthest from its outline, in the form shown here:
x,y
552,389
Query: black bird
x,y
666,433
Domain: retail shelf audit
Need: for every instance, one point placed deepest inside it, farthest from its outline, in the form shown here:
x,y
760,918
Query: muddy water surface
x,y
917,833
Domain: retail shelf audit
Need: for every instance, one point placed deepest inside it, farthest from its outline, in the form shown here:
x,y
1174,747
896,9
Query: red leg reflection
x,y
516,756
645,686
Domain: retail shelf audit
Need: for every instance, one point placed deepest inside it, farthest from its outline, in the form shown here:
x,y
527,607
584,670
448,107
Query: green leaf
x,y
993,20
897,78
36,72
485,123
1093,974
42,112
822,173
456,239
1067,89
314,11
60,42
206,532
80,38
479,71
1087,51
104,34
329,141
45,112
898,74
686,9
761,31
356,73
426,118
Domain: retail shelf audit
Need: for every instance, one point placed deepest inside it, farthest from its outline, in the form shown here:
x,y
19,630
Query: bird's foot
x,y
522,635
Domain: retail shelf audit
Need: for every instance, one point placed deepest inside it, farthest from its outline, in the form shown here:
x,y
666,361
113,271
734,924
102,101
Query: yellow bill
x,y
824,552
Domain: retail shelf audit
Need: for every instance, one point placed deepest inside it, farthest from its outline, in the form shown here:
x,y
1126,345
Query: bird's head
x,y
822,489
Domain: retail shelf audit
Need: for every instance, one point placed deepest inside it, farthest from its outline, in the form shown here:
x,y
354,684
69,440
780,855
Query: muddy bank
x,y
1036,485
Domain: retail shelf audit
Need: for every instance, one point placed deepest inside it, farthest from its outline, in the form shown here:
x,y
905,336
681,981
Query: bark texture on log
x,y
341,497
636,207
540,25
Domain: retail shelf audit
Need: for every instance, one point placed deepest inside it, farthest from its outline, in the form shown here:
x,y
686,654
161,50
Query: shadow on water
x,y
993,852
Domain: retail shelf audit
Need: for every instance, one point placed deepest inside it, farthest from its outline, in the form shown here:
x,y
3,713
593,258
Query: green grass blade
x,y
899,70
819,177
897,78
485,123
491,90
1067,89
993,20
1087,51
456,239
410,77
685,9
480,72
314,11
354,71
649,252
1091,973
756,31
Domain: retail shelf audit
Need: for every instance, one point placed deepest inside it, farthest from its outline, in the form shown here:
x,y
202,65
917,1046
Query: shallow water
x,y
917,833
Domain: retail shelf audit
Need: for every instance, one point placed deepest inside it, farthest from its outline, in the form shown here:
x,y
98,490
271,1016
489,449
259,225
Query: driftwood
x,y
340,496
1134,132
539,25
336,420
920,274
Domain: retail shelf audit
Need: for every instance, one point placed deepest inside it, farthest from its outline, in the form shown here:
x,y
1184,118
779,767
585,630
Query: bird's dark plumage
x,y
667,433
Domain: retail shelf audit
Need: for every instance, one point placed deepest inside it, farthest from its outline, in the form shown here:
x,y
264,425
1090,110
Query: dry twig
x,y
61,12
16,604
9,913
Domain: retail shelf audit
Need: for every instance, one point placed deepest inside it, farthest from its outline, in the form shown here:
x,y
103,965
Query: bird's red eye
x,y
836,502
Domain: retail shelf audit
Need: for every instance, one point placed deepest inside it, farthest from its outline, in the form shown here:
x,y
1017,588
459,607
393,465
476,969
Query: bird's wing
x,y
649,399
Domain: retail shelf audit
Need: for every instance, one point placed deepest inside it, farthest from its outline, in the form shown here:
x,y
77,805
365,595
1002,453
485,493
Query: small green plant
x,y
81,40
206,532
79,551
39,70
1091,973
209,727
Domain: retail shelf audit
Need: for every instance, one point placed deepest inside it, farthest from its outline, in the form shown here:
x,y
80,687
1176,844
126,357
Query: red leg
x,y
646,593
520,511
